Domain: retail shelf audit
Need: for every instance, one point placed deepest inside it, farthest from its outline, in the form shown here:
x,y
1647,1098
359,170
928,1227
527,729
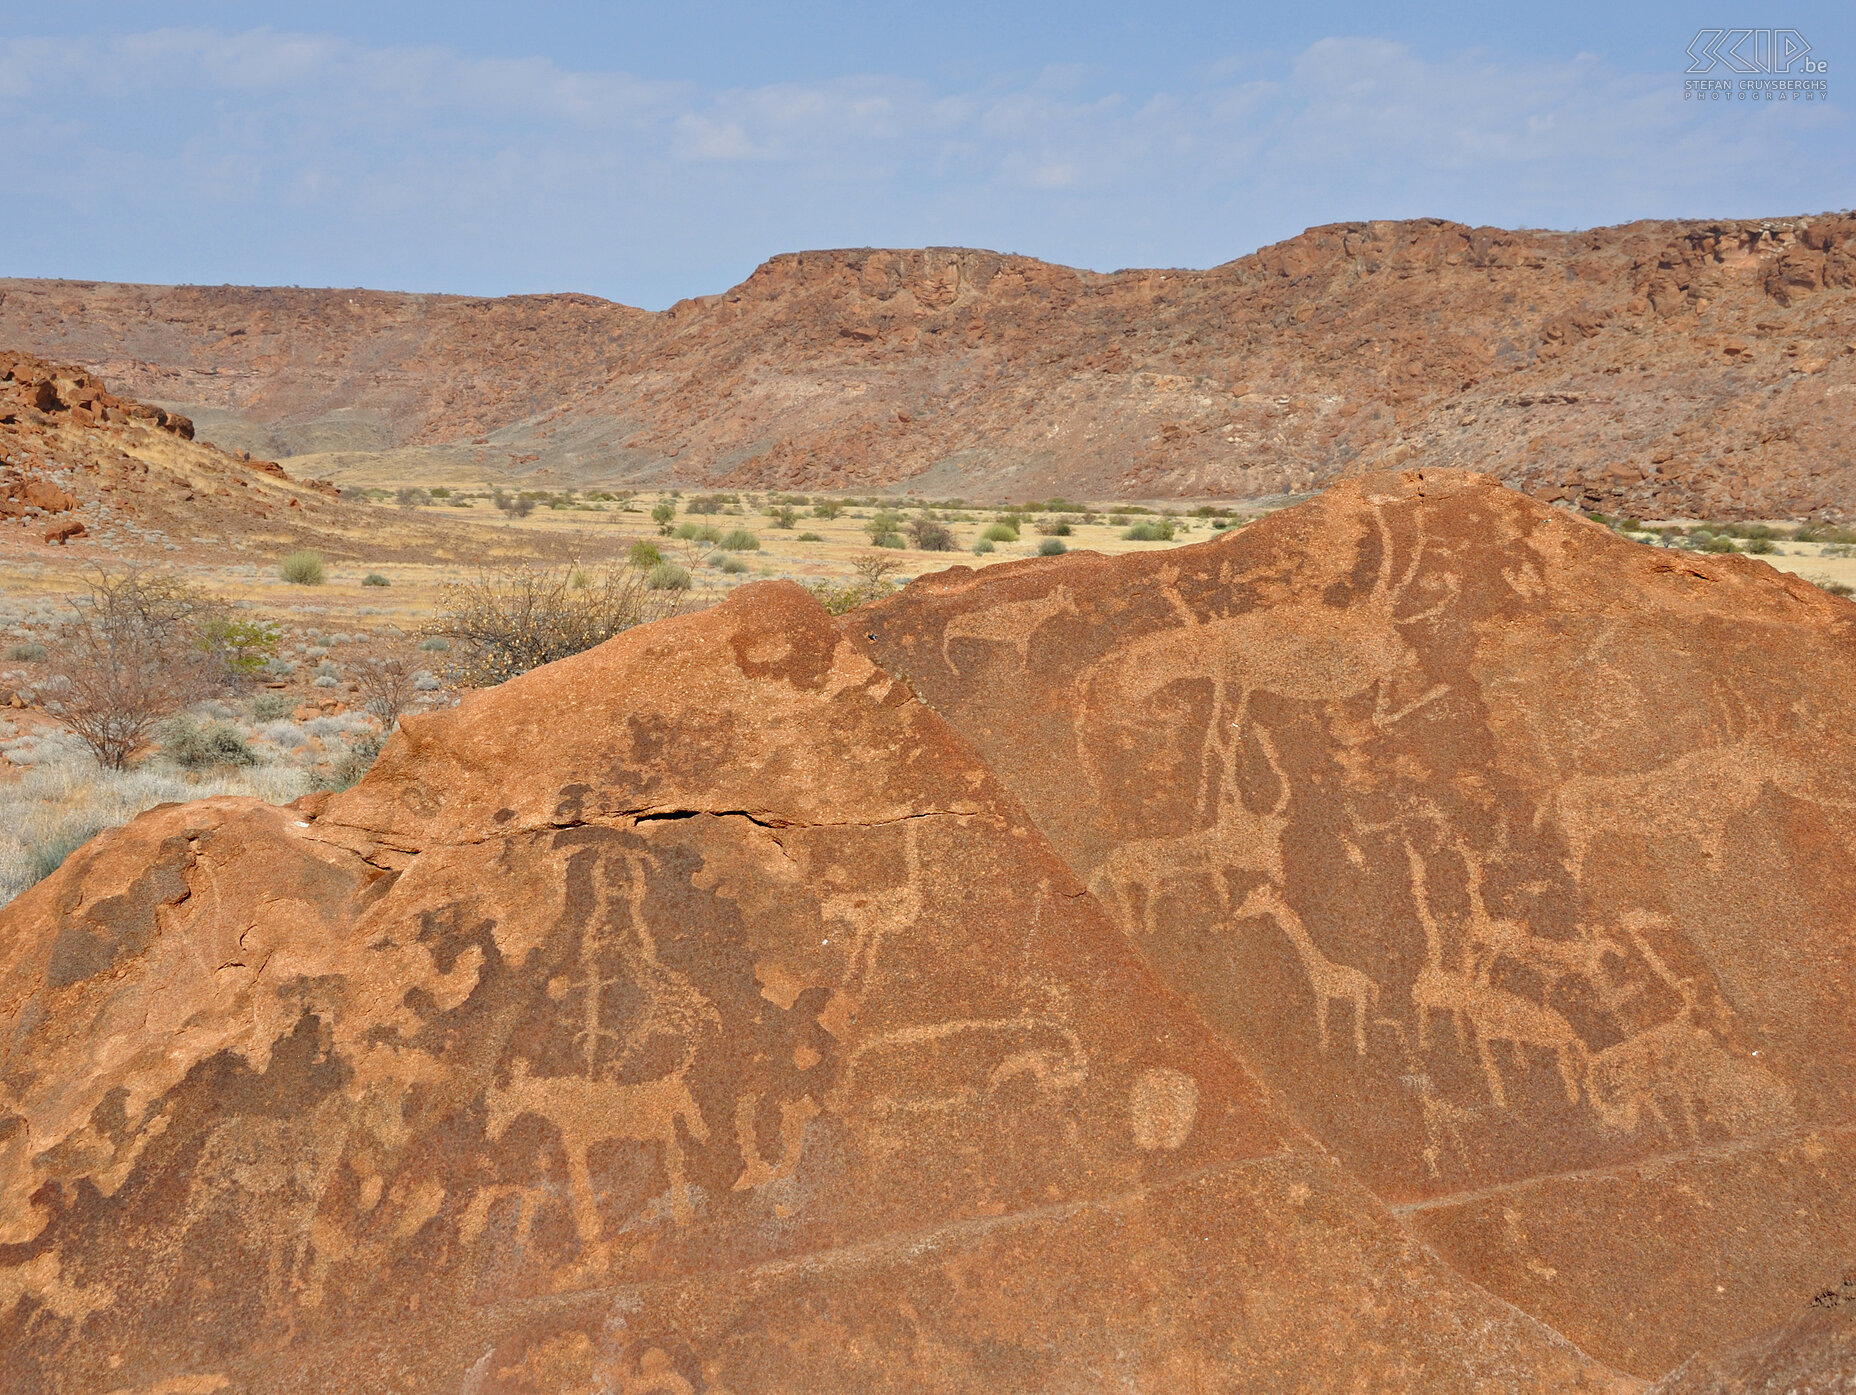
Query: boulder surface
x,y
695,1014
1515,858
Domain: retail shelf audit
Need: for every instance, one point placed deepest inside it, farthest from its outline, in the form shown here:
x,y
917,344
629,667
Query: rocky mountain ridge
x,y
1657,368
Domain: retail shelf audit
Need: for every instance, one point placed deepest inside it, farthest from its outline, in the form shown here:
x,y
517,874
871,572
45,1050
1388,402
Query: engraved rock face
x,y
696,1014
1517,859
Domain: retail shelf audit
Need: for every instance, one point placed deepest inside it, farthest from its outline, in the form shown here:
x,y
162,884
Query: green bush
x,y
29,653
1151,530
827,508
668,576
268,707
785,516
1055,528
435,644
196,747
375,579
740,540
645,555
1719,544
999,532
982,547
733,566
1051,547
661,514
302,568
810,537
1761,546
239,649
888,540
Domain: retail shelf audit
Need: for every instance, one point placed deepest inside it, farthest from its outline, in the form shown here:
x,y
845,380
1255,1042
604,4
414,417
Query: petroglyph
x,y
586,1111
953,1065
595,1107
1483,1012
1161,1107
873,914
1015,623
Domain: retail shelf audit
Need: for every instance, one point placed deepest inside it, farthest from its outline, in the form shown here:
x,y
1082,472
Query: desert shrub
x,y
1760,546
409,497
999,532
238,650
1718,544
840,596
827,508
195,745
740,540
1151,530
130,659
348,761
1118,520
644,555
1825,533
1832,585
302,568
387,687
435,644
1051,547
28,653
685,531
1055,527
375,579
269,707
733,566
705,503
884,527
929,535
662,514
983,546
511,620
874,568
785,516
668,576
809,537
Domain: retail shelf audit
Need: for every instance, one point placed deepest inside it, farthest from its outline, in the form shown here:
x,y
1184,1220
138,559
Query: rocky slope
x,y
82,466
1660,368
1399,946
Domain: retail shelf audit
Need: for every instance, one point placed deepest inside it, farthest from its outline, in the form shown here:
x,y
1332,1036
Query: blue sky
x,y
651,152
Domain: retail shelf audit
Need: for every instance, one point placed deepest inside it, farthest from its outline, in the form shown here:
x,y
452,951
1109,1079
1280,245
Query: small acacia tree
x,y
507,621
131,657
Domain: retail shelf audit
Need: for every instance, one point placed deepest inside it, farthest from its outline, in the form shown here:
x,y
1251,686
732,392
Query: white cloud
x,y
297,158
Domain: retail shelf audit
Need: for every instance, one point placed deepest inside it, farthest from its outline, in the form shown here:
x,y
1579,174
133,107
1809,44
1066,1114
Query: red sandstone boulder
x,y
695,1014
1515,858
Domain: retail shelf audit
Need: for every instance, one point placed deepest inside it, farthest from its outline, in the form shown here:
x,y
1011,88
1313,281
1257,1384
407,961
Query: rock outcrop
x,y
1658,368
1400,946
79,462
1515,857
